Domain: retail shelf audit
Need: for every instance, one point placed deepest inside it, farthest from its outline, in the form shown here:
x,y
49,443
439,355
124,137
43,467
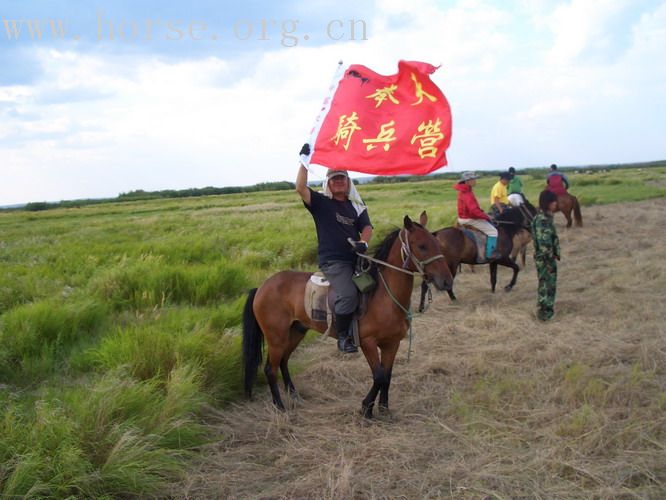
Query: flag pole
x,y
326,105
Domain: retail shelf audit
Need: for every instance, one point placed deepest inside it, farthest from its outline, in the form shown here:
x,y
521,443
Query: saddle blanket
x,y
479,239
318,302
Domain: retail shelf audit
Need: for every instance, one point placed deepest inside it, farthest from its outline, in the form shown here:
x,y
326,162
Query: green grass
x,y
119,322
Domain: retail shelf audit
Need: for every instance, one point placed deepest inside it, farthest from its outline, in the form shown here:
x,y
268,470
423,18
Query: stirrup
x,y
346,345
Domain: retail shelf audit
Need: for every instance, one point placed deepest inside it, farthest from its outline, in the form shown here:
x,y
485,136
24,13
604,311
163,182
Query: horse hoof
x,y
366,411
279,405
508,288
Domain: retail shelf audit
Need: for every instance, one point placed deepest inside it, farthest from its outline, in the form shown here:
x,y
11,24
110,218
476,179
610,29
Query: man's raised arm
x,y
302,177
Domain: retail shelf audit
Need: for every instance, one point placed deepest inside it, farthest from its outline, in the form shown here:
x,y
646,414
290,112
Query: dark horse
x,y
276,312
458,248
565,204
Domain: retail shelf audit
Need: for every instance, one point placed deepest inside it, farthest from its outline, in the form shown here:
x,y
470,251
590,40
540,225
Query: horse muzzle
x,y
441,281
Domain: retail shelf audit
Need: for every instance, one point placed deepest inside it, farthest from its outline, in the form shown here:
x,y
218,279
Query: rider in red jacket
x,y
470,214
556,181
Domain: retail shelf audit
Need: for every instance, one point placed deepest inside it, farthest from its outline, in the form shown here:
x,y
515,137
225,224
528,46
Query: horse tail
x,y
576,209
253,343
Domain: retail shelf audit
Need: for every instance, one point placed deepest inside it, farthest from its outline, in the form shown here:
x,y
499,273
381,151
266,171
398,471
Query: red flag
x,y
388,125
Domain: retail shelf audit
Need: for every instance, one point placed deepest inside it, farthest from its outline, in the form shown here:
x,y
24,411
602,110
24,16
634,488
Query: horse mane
x,y
384,249
531,207
382,253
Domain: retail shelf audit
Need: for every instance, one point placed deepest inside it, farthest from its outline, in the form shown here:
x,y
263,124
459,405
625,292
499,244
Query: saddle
x,y
479,239
319,303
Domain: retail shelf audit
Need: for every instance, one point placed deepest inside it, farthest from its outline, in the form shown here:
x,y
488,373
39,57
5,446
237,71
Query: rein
x,y
406,254
527,218
408,313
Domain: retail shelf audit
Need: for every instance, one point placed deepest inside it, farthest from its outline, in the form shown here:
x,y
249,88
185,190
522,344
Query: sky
x,y
125,95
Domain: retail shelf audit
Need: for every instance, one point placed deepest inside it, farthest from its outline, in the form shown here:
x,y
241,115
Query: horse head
x,y
422,253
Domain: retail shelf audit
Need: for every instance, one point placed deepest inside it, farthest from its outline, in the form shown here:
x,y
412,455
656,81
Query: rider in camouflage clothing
x,y
546,253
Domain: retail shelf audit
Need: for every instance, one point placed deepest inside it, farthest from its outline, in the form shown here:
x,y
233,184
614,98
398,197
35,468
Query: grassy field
x,y
119,323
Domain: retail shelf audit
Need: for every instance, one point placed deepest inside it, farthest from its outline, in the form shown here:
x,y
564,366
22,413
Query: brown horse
x,y
458,248
565,204
276,312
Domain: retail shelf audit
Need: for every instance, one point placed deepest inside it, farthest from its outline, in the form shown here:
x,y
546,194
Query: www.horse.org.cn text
x,y
286,32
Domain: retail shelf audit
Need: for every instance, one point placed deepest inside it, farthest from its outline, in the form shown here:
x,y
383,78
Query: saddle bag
x,y
363,281
362,278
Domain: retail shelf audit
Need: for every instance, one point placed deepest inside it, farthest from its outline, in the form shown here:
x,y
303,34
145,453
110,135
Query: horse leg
x,y
288,384
369,347
523,251
276,351
567,214
295,336
516,269
424,291
453,267
270,370
493,275
388,356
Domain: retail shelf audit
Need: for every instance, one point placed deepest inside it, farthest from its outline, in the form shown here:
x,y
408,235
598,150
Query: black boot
x,y
345,335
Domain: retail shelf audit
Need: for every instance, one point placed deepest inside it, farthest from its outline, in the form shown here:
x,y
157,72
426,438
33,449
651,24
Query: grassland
x,y
119,325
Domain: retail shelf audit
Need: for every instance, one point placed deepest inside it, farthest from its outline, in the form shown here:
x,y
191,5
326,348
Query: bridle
x,y
407,255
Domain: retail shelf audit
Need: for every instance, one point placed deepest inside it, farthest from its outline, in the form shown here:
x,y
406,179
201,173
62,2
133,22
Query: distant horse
x,y
276,312
458,248
565,204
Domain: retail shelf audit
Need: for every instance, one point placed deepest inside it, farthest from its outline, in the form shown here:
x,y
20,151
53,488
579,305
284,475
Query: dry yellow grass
x,y
493,403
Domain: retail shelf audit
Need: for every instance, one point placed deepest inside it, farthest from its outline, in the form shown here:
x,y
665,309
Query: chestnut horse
x,y
565,204
276,312
458,248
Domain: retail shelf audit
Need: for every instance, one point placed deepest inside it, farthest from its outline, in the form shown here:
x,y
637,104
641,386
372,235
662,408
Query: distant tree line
x,y
141,195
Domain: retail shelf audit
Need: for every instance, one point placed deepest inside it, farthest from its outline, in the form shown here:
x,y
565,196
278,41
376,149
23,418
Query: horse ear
x,y
423,219
409,225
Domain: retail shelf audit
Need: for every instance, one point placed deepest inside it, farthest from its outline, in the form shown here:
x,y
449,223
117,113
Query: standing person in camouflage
x,y
546,253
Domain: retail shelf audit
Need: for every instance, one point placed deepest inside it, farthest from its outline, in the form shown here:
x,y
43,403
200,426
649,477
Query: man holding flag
x,y
339,214
382,125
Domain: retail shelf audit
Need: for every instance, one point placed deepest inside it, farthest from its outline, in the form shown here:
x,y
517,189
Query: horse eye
x,y
422,247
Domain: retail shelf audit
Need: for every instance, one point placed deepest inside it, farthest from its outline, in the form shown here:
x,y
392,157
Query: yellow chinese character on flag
x,y
420,92
430,135
386,135
381,95
346,128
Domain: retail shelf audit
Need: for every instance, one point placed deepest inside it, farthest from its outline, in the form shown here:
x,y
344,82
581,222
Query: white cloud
x,y
547,109
581,25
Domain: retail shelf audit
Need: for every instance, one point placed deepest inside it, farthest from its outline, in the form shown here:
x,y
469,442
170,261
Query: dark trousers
x,y
339,274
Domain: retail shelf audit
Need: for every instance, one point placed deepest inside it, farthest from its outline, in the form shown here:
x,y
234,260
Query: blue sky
x,y
530,83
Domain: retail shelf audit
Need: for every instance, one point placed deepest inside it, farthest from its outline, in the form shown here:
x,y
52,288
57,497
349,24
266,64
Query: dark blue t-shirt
x,y
335,222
